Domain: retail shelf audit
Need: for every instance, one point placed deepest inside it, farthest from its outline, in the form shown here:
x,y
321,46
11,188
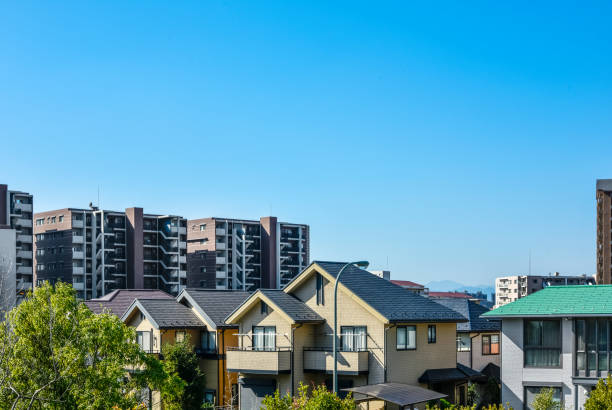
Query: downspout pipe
x,y
293,328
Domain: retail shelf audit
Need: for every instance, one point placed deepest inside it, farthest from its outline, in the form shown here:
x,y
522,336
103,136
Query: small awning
x,y
397,393
461,372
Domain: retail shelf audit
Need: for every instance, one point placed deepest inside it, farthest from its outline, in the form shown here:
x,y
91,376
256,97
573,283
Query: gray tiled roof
x,y
292,306
471,311
119,300
392,301
217,304
168,313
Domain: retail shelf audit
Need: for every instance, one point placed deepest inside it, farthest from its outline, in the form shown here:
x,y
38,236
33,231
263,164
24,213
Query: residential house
x,y
558,337
197,314
386,335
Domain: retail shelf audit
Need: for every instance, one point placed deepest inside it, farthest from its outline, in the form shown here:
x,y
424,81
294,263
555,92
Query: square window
x,y
179,336
406,337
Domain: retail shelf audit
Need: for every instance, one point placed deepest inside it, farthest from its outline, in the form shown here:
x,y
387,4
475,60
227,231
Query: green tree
x,y
56,353
180,359
601,397
545,401
320,398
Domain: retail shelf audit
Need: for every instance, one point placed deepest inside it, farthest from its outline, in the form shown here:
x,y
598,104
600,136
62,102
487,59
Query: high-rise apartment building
x,y
245,254
16,215
510,288
98,251
604,231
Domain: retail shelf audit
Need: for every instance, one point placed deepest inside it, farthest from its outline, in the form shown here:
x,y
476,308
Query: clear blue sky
x,y
448,139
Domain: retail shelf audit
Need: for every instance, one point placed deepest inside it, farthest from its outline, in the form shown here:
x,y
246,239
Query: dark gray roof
x,y
392,301
292,306
119,300
401,394
168,313
460,372
471,311
217,304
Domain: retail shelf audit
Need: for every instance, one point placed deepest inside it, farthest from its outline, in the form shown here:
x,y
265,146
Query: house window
x,y
40,221
532,391
40,236
490,344
263,308
144,341
406,337
592,344
179,336
320,290
209,396
264,338
207,341
431,334
464,343
52,219
202,269
61,218
353,338
202,227
542,343
203,241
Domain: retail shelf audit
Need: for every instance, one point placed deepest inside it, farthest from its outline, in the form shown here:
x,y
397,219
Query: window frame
x,y
490,343
355,336
320,286
176,336
205,335
560,345
458,341
266,330
430,339
405,328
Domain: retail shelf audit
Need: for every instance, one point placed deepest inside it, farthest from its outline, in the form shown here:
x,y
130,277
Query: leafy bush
x,y
601,397
320,399
545,401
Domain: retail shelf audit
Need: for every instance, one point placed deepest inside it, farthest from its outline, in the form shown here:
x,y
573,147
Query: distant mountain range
x,y
449,286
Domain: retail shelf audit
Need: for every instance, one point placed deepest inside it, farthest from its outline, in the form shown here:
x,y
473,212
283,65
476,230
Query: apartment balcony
x,y
182,274
24,254
24,238
246,360
78,286
221,274
78,270
182,245
22,207
322,361
77,239
25,223
220,246
182,259
24,270
77,223
182,230
24,286
220,231
78,255
221,287
220,260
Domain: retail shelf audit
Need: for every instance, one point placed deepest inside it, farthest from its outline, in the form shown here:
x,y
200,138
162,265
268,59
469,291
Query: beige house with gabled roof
x,y
386,335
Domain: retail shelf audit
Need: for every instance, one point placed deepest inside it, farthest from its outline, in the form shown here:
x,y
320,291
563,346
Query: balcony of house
x,y
220,260
24,238
78,285
318,360
221,274
78,270
220,231
24,254
247,360
23,222
78,255
77,239
24,270
77,223
220,246
182,230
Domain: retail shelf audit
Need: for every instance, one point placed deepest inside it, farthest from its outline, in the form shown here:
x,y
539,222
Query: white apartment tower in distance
x,y
16,239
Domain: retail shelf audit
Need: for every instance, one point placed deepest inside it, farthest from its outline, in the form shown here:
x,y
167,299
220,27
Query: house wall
x,y
406,366
478,361
515,376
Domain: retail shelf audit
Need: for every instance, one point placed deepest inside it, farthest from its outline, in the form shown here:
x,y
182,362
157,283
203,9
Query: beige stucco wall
x,y
479,361
406,366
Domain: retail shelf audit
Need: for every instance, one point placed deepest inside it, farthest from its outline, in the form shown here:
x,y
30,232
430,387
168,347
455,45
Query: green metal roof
x,y
578,300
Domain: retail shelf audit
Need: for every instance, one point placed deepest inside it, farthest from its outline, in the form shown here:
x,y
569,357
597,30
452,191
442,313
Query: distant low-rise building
x,y
510,288
412,286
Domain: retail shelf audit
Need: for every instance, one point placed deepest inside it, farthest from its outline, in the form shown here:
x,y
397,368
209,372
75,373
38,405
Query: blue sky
x,y
441,141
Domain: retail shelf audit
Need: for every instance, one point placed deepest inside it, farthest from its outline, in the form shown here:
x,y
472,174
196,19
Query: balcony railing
x,y
322,360
247,360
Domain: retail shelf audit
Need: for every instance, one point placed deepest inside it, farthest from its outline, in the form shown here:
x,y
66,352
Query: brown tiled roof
x,y
119,300
407,283
458,295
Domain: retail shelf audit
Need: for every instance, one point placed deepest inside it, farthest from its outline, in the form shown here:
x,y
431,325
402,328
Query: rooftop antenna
x,y
98,196
529,262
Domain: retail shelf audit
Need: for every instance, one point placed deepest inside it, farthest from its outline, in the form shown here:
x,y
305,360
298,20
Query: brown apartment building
x,y
245,254
604,231
15,242
98,251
